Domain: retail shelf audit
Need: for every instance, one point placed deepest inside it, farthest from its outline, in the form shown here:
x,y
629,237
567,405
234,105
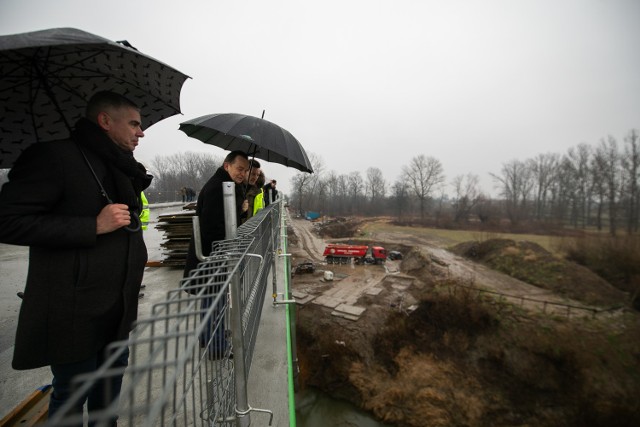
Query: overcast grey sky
x,y
473,83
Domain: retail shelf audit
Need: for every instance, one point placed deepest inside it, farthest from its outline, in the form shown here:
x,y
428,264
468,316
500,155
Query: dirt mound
x,y
339,227
458,360
531,263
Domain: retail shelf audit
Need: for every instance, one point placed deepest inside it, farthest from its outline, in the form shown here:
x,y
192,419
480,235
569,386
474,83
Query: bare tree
x,y
173,172
400,196
375,188
343,189
304,184
631,176
578,160
485,209
599,186
543,168
356,189
424,175
608,160
466,195
515,186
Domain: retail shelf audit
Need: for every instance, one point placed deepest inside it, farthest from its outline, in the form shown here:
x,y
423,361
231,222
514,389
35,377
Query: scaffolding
x,y
190,360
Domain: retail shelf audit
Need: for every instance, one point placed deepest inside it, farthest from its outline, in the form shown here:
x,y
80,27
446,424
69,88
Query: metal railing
x,y
190,359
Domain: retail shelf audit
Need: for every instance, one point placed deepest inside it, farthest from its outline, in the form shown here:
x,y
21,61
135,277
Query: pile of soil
x,y
531,263
339,227
459,360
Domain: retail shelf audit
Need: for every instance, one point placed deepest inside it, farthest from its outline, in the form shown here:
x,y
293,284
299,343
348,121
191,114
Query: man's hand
x,y
245,206
112,217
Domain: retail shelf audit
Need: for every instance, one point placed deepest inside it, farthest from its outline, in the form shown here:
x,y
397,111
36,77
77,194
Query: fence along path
x,y
177,374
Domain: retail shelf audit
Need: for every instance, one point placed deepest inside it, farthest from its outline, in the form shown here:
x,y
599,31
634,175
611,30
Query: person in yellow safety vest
x,y
144,222
144,214
258,201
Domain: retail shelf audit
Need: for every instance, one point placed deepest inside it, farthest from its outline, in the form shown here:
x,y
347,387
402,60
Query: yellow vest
x,y
258,202
144,214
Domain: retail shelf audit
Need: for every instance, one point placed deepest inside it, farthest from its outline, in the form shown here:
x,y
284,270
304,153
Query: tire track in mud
x,y
313,246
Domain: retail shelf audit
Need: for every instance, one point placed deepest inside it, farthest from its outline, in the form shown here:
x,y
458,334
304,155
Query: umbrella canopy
x,y
257,137
47,77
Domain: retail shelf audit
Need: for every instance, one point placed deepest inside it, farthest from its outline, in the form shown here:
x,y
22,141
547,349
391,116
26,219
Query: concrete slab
x,y
373,291
327,301
299,295
305,300
350,309
345,316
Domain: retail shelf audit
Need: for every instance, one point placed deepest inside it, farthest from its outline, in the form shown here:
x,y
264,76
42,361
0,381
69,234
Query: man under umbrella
x,y
73,202
210,210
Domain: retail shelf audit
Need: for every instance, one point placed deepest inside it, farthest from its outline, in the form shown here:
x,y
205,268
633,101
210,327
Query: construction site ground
x,y
401,341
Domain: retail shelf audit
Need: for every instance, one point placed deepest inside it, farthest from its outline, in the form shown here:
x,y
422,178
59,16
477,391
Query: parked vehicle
x,y
311,216
360,254
393,255
305,267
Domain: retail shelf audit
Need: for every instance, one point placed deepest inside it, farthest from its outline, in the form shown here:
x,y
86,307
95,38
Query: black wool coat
x,y
82,289
210,210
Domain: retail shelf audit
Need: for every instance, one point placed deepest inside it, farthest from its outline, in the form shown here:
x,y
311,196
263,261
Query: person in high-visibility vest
x,y
144,222
258,201
144,214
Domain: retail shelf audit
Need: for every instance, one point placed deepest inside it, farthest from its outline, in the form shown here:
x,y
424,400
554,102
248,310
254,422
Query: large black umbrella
x,y
257,137
47,77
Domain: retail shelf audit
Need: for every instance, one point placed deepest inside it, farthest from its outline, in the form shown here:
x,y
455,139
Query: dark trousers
x,y
213,337
100,396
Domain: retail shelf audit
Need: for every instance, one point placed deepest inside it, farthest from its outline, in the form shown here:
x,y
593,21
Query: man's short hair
x,y
254,163
274,181
101,101
231,157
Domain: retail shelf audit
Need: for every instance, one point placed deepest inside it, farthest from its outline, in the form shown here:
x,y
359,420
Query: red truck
x,y
361,254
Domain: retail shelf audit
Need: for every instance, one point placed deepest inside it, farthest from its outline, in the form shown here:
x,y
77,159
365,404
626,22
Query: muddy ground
x,y
431,349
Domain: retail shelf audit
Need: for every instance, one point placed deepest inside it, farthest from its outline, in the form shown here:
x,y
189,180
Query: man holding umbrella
x,y
73,202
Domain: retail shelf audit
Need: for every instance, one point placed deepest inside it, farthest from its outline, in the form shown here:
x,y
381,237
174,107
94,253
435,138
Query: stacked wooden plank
x,y
177,228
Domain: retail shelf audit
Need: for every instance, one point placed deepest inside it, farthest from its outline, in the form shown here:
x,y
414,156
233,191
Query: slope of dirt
x,y
533,264
429,352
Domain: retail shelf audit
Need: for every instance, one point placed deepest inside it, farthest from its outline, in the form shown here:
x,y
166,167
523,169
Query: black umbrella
x,y
47,77
257,137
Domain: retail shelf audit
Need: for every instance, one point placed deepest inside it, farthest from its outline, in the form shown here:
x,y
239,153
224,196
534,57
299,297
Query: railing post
x,y
275,219
243,416
230,214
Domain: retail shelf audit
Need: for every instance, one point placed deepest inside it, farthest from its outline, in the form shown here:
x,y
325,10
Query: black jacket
x,y
82,289
210,210
269,189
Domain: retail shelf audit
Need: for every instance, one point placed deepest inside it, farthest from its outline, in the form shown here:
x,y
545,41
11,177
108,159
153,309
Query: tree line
x,y
173,172
588,186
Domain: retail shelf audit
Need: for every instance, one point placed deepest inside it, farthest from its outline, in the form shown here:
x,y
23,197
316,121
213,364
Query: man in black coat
x,y
210,210
71,201
270,192
210,207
